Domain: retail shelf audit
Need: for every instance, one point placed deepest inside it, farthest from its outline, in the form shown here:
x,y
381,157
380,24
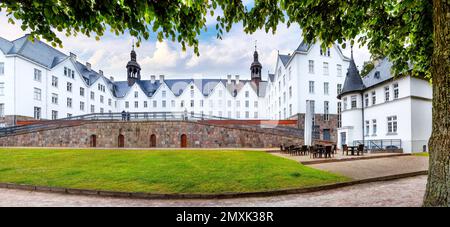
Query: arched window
x,y
183,140
121,141
93,140
153,140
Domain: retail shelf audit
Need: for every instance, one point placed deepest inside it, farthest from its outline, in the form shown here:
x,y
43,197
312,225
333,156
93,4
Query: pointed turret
x,y
256,69
353,81
133,69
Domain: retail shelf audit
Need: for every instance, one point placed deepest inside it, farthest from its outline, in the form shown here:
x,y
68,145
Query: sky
x,y
218,58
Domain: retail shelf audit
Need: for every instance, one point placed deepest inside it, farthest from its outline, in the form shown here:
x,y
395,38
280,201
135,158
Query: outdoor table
x,y
352,148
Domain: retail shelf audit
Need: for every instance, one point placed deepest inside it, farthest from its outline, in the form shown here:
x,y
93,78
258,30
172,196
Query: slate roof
x,y
49,57
383,70
303,47
284,58
353,81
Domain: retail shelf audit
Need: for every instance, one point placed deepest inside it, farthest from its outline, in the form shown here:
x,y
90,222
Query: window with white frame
x,y
366,100
396,92
54,114
55,98
54,81
37,75
92,109
238,103
155,104
256,104
247,104
247,114
2,109
366,133
136,94
81,91
386,94
102,110
109,102
101,99
229,103
92,95
172,103
290,92
255,115
392,124
311,87
82,106
339,88
192,103
136,104
192,93
339,112
353,101
69,102
374,97
37,113
311,66
326,111
290,110
326,88
164,104
163,94
374,127
339,70
326,71
127,104
69,87
345,103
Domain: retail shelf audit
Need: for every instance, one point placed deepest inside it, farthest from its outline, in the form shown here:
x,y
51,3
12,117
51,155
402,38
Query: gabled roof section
x,y
284,58
37,51
5,45
303,47
353,81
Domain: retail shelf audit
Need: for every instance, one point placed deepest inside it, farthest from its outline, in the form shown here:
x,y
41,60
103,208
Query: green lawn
x,y
182,171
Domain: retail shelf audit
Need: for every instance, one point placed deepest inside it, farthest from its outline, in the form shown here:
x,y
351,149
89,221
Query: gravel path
x,y
403,192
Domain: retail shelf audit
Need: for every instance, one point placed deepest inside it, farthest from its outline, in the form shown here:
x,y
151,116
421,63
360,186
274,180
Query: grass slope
x,y
174,171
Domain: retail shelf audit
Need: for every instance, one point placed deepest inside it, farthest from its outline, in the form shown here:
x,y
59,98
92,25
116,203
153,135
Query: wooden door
x,y
93,141
183,140
153,140
121,142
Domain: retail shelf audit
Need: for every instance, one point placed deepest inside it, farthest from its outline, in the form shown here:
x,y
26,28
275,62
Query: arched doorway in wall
x,y
183,140
121,141
153,140
93,140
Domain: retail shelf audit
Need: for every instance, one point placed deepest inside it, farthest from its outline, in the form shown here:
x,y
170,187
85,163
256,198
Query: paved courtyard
x,y
379,167
402,192
339,156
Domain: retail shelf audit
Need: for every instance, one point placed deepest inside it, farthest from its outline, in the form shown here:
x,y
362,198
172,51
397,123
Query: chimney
x,y
73,56
161,79
237,79
100,72
152,79
228,79
111,79
88,66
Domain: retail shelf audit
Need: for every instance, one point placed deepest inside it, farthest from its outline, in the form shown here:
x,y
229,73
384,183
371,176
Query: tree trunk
x,y
438,185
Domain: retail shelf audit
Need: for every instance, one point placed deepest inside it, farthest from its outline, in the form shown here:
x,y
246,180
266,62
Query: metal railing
x,y
386,144
129,116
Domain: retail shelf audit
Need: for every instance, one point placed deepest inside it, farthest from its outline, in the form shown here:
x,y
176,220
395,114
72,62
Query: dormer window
x,y
377,75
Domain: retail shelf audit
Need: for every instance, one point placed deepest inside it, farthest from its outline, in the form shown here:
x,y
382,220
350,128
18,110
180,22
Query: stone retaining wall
x,y
137,135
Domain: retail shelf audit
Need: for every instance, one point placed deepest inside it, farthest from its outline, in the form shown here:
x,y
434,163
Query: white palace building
x,y
40,82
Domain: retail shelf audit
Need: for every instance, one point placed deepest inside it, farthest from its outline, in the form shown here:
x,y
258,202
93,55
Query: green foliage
x,y
399,30
167,171
367,67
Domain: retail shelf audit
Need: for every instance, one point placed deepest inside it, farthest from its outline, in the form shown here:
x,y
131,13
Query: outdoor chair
x,y
361,149
344,148
304,150
328,151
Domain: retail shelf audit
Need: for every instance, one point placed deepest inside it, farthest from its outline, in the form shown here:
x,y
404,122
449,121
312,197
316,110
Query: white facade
x,y
388,109
307,74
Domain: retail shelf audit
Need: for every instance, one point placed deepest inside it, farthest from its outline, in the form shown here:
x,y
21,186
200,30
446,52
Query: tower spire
x,y
351,50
